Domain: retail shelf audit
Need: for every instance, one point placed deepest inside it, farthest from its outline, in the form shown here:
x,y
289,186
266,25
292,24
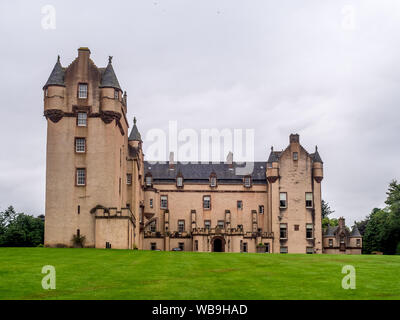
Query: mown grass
x,y
123,274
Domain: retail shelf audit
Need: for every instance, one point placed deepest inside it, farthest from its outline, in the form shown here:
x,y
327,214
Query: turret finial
x,y
58,58
134,120
316,148
272,148
110,59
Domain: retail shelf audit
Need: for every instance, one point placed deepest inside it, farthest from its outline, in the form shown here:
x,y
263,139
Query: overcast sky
x,y
328,70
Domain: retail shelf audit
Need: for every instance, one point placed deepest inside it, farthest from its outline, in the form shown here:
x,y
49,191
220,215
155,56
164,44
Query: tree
x,y
20,230
326,209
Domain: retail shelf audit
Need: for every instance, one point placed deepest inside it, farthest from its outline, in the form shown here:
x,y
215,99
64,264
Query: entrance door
x,y
218,245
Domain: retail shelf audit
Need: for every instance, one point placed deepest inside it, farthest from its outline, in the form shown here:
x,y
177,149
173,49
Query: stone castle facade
x,y
99,186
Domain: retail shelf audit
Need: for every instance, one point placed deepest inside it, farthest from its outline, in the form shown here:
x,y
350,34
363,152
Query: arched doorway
x,y
218,244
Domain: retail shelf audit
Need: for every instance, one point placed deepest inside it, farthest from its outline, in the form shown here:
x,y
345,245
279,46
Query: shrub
x,y
78,241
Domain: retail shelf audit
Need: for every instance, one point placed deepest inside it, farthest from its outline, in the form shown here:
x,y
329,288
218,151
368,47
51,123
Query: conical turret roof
x,y
57,75
355,232
135,134
316,156
109,79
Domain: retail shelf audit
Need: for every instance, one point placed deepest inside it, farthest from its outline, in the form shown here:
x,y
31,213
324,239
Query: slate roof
x,y
200,172
355,232
330,231
57,75
274,156
135,134
316,157
108,78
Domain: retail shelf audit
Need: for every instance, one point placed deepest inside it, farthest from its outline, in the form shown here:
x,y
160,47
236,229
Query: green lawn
x,y
122,274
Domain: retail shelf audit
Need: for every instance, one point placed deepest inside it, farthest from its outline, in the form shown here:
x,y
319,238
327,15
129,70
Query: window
x,y
247,182
240,204
331,243
82,119
152,227
244,246
79,209
284,250
81,176
129,178
128,205
310,250
181,225
309,231
221,224
182,246
296,227
309,200
78,233
207,224
196,245
46,92
179,181
149,181
295,156
164,202
151,203
213,181
283,231
80,144
207,202
153,246
283,200
266,247
261,209
358,242
116,95
83,91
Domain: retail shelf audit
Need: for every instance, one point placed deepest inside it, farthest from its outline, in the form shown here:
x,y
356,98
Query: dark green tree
x,y
326,210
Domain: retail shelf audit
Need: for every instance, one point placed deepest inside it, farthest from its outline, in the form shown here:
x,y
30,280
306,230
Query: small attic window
x,y
179,181
295,156
247,182
116,94
83,91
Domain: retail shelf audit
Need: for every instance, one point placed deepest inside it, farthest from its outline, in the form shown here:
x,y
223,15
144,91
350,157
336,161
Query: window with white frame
x,y
164,202
284,250
283,231
129,178
207,224
213,181
221,224
149,181
309,230
80,145
309,200
283,199
82,119
116,94
295,156
207,202
179,181
181,225
247,182
83,91
81,176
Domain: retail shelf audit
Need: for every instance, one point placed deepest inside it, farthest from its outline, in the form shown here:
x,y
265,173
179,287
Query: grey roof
x,y
274,156
330,231
355,232
200,172
315,156
135,134
108,78
57,75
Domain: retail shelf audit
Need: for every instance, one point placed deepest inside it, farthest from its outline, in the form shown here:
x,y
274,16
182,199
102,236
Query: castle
x,y
99,186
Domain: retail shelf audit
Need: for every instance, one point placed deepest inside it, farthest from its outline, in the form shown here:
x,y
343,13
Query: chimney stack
x,y
294,138
171,160
229,159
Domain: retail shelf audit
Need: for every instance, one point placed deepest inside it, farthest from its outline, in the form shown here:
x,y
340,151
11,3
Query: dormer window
x,y
213,180
82,119
149,181
116,94
247,182
83,91
179,181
